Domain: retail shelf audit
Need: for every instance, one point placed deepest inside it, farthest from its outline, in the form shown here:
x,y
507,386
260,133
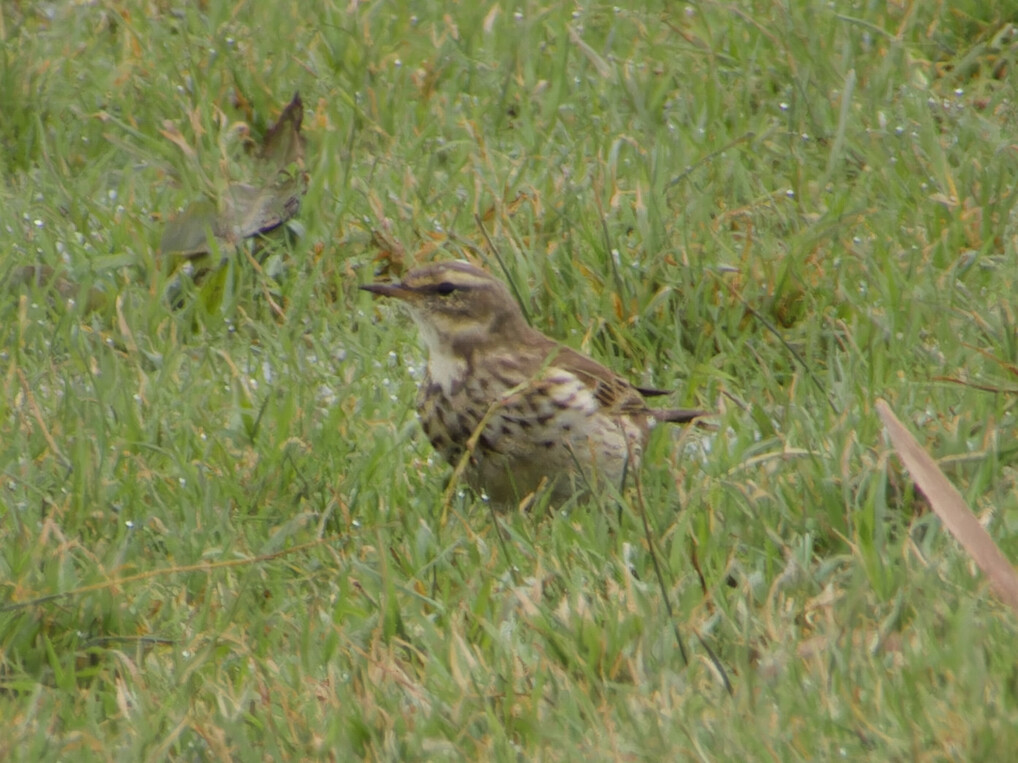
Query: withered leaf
x,y
248,209
949,505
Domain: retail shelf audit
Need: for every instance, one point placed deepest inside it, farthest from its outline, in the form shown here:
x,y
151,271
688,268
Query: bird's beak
x,y
397,290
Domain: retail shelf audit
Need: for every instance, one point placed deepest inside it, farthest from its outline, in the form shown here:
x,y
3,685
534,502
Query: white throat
x,y
443,367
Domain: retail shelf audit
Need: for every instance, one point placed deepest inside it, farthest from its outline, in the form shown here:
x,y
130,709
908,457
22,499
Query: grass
x,y
222,534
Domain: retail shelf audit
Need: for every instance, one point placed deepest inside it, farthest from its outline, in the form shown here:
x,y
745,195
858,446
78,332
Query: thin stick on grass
x,y
166,572
659,574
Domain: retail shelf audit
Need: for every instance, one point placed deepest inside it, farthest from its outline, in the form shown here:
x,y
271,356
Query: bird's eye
x,y
445,288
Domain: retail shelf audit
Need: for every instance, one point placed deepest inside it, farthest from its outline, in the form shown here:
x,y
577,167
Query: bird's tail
x,y
678,415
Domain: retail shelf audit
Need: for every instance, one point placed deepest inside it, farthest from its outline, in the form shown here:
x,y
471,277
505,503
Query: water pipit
x,y
530,413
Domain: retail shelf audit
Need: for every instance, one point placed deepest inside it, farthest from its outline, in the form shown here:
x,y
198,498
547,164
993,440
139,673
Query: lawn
x,y
222,533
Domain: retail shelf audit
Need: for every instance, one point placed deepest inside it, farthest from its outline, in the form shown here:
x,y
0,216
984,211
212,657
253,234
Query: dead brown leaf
x,y
244,210
951,508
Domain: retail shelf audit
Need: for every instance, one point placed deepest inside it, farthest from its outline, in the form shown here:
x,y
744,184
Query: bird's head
x,y
456,306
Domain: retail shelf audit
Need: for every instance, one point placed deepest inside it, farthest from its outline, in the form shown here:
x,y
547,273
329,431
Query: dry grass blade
x,y
951,508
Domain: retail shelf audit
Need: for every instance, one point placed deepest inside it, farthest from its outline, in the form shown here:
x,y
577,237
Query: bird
x,y
529,413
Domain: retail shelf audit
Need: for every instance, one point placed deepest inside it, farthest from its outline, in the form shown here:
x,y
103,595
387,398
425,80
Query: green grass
x,y
783,211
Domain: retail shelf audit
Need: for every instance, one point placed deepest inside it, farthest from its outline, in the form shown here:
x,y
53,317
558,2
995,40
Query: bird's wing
x,y
614,392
